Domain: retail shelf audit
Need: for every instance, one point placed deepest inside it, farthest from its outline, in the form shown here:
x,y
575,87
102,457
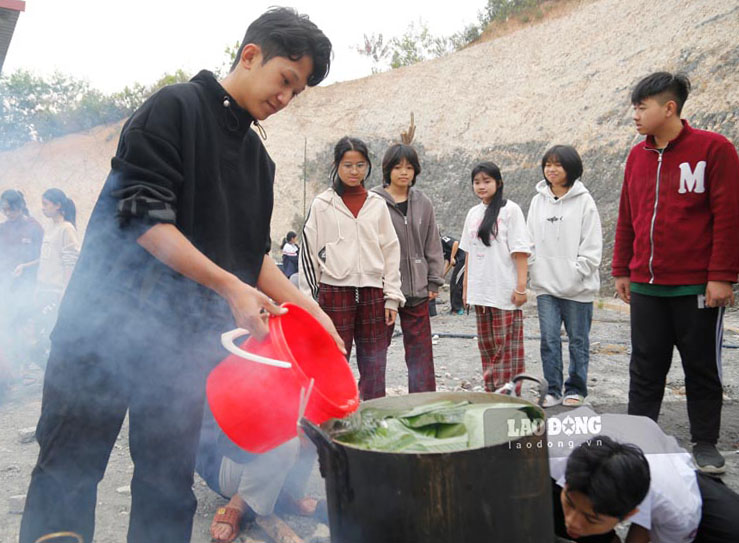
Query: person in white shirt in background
x,y
59,251
290,254
568,243
497,244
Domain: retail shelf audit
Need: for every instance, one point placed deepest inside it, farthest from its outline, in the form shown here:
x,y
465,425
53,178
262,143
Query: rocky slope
x,y
565,80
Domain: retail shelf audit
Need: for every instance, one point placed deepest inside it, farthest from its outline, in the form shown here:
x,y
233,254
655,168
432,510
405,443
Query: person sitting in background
x,y
254,484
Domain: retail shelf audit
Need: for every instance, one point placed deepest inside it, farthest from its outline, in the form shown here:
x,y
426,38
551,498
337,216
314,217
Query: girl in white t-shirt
x,y
497,243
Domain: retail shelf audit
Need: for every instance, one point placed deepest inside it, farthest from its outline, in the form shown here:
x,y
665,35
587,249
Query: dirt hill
x,y
564,80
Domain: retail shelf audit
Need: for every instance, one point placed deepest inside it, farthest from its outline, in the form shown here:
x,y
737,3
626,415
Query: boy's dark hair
x,y
15,200
67,207
569,159
343,146
283,32
673,87
489,222
394,156
614,476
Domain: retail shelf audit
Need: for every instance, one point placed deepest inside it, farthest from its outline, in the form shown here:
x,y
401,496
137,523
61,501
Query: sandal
x,y
229,516
573,400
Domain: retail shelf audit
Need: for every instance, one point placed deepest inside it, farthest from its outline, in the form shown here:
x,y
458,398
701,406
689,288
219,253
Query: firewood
x,y
277,529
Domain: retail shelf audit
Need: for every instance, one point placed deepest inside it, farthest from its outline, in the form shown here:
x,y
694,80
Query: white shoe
x,y
550,400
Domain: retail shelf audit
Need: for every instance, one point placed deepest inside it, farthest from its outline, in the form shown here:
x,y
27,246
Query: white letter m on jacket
x,y
692,181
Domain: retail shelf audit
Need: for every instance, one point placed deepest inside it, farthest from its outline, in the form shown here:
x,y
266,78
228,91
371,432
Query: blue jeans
x,y
577,317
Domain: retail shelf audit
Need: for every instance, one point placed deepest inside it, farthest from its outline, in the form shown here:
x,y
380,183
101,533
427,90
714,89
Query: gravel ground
x,y
458,365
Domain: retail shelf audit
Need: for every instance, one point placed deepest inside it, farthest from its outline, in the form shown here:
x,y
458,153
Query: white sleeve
x,y
465,242
309,268
591,240
531,227
70,246
518,240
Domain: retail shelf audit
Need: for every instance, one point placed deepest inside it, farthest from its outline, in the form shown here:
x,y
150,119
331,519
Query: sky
x,y
114,43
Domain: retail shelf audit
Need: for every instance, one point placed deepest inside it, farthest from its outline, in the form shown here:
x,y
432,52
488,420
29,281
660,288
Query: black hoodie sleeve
x,y
147,169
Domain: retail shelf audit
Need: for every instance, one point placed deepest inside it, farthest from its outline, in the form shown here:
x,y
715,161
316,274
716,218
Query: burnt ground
x,y
457,363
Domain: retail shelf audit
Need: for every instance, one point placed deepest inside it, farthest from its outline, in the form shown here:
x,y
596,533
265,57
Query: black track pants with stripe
x,y
657,325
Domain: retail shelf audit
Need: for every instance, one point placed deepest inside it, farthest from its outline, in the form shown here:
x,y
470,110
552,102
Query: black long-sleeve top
x,y
187,157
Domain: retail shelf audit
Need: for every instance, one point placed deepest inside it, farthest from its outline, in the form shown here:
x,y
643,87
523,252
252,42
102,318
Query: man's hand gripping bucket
x,y
257,404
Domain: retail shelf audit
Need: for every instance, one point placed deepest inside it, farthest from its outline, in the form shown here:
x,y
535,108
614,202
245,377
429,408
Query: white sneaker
x,y
550,400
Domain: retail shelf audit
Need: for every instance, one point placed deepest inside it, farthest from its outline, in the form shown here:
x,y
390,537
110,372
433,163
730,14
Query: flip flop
x,y
573,400
230,516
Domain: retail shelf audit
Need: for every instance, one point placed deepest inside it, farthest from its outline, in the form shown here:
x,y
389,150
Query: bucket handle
x,y
227,340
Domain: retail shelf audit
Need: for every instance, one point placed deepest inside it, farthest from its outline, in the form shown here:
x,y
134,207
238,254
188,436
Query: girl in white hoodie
x,y
565,227
350,262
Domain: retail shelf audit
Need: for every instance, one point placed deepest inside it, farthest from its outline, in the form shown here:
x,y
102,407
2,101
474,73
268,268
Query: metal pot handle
x,y
227,340
330,454
543,384
319,438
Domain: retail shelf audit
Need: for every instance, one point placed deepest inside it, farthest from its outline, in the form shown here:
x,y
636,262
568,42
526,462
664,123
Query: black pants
x,y
657,325
720,516
456,286
155,373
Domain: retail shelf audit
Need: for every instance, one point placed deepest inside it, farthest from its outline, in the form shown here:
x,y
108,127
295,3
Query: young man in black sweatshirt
x,y
175,251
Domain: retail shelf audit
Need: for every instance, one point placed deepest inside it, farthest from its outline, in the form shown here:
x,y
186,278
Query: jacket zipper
x,y
407,244
654,216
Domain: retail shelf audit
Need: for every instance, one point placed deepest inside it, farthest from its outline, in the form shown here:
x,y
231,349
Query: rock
x,y
448,375
16,504
466,385
610,348
27,435
125,490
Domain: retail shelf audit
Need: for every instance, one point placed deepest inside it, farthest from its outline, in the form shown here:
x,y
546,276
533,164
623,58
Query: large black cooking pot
x,y
498,493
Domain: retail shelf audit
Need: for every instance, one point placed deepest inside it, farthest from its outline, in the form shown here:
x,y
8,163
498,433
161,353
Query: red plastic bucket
x,y
257,405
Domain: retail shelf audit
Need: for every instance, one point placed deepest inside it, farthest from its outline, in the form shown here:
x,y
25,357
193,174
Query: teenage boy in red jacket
x,y
676,256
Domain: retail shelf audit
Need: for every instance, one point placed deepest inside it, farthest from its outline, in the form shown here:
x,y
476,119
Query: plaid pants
x,y
359,317
500,340
419,355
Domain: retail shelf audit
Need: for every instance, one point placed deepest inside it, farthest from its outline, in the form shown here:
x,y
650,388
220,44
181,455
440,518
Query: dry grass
x,y
546,11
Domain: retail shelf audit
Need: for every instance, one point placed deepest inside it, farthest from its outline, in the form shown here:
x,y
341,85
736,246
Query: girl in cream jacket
x,y
350,262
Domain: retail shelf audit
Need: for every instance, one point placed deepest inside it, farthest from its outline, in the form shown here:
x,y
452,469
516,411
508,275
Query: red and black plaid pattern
x,y
419,355
359,317
500,340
